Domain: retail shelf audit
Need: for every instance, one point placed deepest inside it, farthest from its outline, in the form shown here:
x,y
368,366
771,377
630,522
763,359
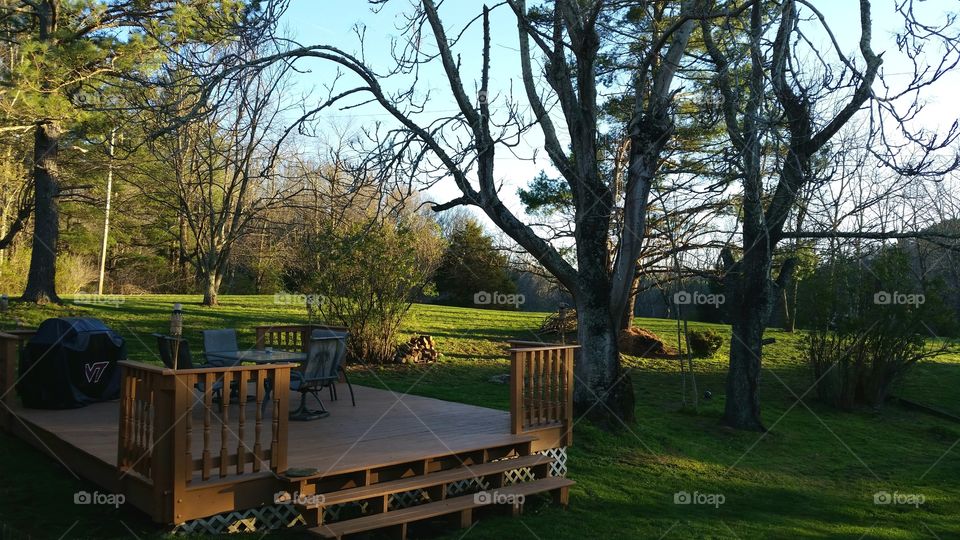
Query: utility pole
x,y
106,219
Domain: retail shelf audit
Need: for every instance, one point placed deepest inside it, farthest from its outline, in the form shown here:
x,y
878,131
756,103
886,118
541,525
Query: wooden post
x,y
261,335
568,397
164,454
281,394
516,391
9,347
181,466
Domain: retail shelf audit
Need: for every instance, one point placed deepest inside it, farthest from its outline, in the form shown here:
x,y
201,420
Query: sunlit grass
x,y
814,475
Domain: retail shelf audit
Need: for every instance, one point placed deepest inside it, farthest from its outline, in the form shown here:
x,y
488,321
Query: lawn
x,y
813,475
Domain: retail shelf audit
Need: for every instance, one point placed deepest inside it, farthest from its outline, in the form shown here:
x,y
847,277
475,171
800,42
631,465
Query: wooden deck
x,y
383,427
179,454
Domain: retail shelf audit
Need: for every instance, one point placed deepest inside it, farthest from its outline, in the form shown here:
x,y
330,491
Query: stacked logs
x,y
419,350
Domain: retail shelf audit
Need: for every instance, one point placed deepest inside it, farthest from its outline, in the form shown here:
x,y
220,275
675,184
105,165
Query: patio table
x,y
258,356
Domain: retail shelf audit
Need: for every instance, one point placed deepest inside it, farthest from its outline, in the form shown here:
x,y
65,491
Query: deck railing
x,y
293,338
541,388
173,432
11,342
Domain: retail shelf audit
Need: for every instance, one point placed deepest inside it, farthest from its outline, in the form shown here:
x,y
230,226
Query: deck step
x,y
443,451
429,480
436,509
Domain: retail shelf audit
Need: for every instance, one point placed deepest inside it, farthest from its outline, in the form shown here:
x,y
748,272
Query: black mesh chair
x,y
321,370
166,344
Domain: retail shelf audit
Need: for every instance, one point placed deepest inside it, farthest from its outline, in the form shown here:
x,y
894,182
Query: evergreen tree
x,y
471,265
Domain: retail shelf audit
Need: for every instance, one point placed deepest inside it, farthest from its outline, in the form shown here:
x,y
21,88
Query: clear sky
x,y
332,22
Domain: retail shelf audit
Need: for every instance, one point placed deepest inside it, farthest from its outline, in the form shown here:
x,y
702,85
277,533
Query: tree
x,y
774,104
568,36
470,265
65,55
223,170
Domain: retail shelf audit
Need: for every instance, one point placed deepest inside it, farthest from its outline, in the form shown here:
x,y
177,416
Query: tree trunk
x,y
211,288
790,298
602,390
41,279
628,316
752,290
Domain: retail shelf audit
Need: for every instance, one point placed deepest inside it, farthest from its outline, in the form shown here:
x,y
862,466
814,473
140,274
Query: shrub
x,y
853,368
867,341
370,276
704,343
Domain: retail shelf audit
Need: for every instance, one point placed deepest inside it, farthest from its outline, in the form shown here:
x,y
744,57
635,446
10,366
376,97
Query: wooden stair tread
x,y
488,443
430,479
434,509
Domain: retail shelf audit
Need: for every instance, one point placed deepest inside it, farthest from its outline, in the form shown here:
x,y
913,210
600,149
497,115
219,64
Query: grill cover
x,y
70,362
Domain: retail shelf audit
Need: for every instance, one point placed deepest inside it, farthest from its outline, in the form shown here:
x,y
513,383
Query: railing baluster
x,y
243,384
258,425
556,362
224,421
529,399
189,380
208,383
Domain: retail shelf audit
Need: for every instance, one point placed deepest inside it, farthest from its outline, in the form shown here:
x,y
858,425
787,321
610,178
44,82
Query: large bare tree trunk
x,y
41,279
752,292
602,389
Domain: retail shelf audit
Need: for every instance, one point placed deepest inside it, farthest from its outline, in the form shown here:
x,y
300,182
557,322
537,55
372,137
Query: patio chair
x,y
165,346
321,370
184,359
214,341
225,340
326,333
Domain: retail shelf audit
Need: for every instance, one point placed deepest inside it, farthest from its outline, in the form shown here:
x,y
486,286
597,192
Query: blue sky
x,y
331,22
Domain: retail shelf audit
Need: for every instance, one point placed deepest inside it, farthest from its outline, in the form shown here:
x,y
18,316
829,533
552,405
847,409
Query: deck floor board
x,y
384,426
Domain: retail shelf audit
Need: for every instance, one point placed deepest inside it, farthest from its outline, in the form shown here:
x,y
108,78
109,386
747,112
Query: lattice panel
x,y
518,476
264,518
466,486
407,499
559,465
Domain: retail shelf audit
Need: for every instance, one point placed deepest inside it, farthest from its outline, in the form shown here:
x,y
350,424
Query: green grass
x,y
812,476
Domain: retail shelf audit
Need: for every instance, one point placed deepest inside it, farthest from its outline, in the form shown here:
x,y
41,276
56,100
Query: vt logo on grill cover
x,y
95,371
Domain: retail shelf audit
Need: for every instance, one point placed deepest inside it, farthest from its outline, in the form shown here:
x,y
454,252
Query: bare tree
x,y
797,107
566,36
222,170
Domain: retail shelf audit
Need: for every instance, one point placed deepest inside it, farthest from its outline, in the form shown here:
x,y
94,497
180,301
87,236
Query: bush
x,y
868,338
370,276
704,343
76,273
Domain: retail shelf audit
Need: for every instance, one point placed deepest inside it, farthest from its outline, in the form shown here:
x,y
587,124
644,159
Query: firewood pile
x,y
418,350
562,322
